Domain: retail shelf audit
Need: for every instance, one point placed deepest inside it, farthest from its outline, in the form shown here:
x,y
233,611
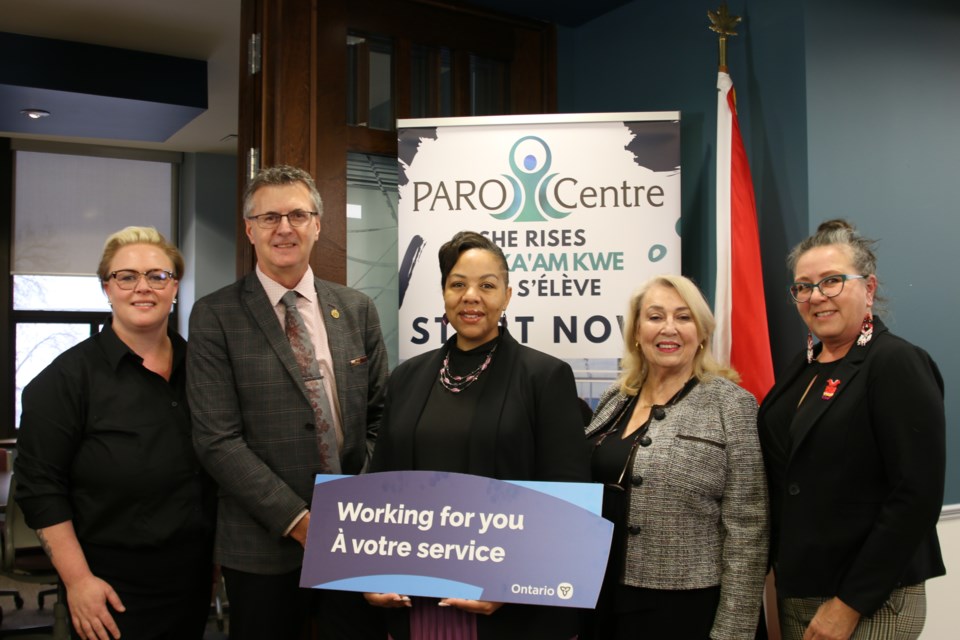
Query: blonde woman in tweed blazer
x,y
675,444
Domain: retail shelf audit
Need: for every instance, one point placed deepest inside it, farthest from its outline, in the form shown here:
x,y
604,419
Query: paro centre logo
x,y
532,193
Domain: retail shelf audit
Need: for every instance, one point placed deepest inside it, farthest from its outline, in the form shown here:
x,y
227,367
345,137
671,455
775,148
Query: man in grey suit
x,y
255,429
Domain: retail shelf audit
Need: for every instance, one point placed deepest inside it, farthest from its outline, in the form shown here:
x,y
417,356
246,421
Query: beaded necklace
x,y
456,384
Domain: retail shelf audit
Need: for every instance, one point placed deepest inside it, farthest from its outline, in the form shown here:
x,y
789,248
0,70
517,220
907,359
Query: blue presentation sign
x,y
452,535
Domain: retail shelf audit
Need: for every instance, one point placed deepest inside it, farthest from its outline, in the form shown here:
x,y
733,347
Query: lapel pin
x,y
334,314
830,389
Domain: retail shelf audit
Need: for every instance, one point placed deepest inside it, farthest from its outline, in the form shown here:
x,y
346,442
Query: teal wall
x,y
848,108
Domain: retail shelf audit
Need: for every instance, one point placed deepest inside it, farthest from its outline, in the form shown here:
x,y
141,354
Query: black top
x,y
792,408
106,443
611,464
443,433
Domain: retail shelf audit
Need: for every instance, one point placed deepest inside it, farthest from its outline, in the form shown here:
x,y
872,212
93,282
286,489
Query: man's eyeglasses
x,y
830,287
127,279
272,220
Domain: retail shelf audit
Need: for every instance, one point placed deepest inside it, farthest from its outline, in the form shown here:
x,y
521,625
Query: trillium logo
x,y
530,186
564,590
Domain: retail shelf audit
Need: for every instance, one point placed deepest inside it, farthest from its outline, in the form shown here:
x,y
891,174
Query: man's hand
x,y
299,531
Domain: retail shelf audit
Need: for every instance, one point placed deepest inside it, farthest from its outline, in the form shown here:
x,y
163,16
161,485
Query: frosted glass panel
x,y
67,205
372,238
58,293
38,345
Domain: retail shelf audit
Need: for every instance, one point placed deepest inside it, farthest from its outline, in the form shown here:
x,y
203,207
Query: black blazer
x,y
527,426
856,512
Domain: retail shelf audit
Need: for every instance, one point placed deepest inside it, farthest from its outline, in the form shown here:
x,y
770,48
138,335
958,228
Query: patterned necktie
x,y
313,379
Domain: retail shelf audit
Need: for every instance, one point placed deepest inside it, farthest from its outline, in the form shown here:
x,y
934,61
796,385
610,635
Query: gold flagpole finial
x,y
722,23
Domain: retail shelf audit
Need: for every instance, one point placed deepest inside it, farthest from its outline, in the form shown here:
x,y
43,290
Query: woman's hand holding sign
x,y
479,607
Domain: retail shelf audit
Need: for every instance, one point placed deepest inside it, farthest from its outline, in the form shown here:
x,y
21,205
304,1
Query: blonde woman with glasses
x,y
105,468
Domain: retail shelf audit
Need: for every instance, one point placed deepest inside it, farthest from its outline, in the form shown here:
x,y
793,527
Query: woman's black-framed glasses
x,y
830,287
127,279
639,438
272,220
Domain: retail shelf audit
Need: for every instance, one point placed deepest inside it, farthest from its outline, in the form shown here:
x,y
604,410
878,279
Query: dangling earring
x,y
866,330
809,347
503,319
444,320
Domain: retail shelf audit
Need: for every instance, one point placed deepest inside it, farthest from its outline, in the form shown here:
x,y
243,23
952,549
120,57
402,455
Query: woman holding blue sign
x,y
675,444
486,405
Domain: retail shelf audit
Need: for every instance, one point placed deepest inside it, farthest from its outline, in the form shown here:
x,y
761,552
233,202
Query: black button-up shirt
x,y
106,443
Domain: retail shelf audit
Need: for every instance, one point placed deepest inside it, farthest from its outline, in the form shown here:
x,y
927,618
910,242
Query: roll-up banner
x,y
585,207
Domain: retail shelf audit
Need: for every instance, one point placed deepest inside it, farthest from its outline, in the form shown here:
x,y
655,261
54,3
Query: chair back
x,y
23,555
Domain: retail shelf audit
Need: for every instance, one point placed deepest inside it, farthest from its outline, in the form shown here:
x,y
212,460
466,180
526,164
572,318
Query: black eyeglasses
x,y
127,279
830,287
272,220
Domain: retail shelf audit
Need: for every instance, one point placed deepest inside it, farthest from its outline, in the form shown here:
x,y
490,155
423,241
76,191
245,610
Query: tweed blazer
x,y
698,501
856,513
253,424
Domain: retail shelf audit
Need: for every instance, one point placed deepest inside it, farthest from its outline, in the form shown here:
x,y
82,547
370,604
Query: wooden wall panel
x,y
294,109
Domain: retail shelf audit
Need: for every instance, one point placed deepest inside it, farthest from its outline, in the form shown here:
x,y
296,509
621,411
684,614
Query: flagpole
x,y
723,24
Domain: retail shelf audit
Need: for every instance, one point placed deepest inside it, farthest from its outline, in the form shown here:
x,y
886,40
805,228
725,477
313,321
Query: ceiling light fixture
x,y
35,114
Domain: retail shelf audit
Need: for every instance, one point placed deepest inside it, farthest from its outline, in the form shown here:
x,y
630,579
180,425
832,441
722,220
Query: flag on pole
x,y
741,337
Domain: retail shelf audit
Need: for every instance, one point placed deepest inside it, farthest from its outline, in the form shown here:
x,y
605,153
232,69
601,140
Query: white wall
x,y
208,227
943,594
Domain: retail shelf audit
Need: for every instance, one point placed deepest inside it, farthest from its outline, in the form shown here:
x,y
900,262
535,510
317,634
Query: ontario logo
x,y
564,590
532,193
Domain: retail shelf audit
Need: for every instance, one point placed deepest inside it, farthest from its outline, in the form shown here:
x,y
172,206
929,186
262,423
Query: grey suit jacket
x,y
253,424
698,501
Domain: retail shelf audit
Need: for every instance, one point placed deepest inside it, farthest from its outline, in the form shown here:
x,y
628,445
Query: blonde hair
x,y
634,368
138,235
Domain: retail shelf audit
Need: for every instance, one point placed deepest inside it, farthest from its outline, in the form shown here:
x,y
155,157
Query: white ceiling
x,y
198,29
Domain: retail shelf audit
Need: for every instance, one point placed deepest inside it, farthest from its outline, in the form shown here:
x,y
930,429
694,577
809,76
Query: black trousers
x,y
629,613
274,607
166,591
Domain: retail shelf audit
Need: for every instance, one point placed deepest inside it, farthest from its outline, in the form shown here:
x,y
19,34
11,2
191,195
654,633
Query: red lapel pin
x,y
830,389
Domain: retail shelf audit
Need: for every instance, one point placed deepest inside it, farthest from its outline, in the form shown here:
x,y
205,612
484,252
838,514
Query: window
x,y
67,200
372,239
